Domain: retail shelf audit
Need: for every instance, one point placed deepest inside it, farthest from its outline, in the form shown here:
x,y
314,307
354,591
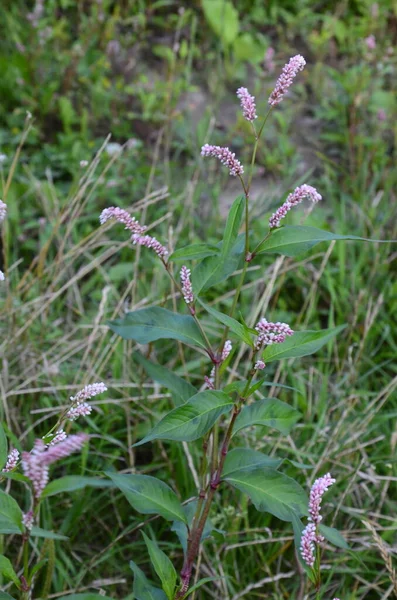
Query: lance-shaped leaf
x,y
191,420
302,343
232,226
155,323
149,496
292,240
163,567
195,251
7,570
181,389
143,590
334,536
271,491
270,412
241,331
70,483
10,511
246,459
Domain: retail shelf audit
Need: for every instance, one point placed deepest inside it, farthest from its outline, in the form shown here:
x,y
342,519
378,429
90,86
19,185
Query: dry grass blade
x,y
384,552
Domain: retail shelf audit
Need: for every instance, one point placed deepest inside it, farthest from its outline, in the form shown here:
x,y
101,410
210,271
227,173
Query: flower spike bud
x,y
187,289
319,487
296,197
3,210
307,546
227,348
226,157
288,74
122,216
12,461
259,365
271,333
150,242
247,104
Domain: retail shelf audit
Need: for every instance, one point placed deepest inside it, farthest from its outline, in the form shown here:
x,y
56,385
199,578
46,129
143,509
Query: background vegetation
x,y
135,88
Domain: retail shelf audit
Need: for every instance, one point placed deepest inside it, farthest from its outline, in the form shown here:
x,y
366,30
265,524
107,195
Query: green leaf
x,y
302,343
271,491
70,483
3,447
334,536
163,567
200,583
7,570
293,240
155,323
232,226
191,420
241,331
8,527
194,252
149,496
88,596
222,18
270,412
5,596
246,459
10,511
181,389
213,270
143,590
44,533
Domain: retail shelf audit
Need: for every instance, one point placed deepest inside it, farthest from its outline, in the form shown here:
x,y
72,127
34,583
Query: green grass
x,y
66,276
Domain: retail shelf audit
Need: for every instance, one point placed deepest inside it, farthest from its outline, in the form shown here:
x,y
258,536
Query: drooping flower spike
x,y
122,216
247,104
288,74
226,157
296,197
81,408
150,242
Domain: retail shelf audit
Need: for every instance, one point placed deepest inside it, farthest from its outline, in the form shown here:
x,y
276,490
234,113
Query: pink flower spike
x,y
122,216
247,104
28,519
34,469
187,289
268,60
259,365
81,410
72,444
370,42
296,197
319,487
271,333
288,74
307,546
3,210
227,348
58,437
89,391
226,157
150,242
12,461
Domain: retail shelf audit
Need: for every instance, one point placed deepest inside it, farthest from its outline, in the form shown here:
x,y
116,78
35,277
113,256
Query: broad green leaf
x,y
191,420
181,389
302,343
143,590
292,240
270,412
7,570
246,48
240,330
70,483
5,596
15,476
194,252
10,511
163,567
44,533
149,496
3,447
88,596
8,527
213,270
246,459
232,227
222,18
334,536
271,491
156,323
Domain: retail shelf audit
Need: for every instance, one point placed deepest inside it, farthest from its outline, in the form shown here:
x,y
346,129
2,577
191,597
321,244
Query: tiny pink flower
x,y
296,197
259,365
150,242
122,216
226,157
370,42
319,487
247,104
12,461
3,210
271,333
187,289
28,519
307,546
288,74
